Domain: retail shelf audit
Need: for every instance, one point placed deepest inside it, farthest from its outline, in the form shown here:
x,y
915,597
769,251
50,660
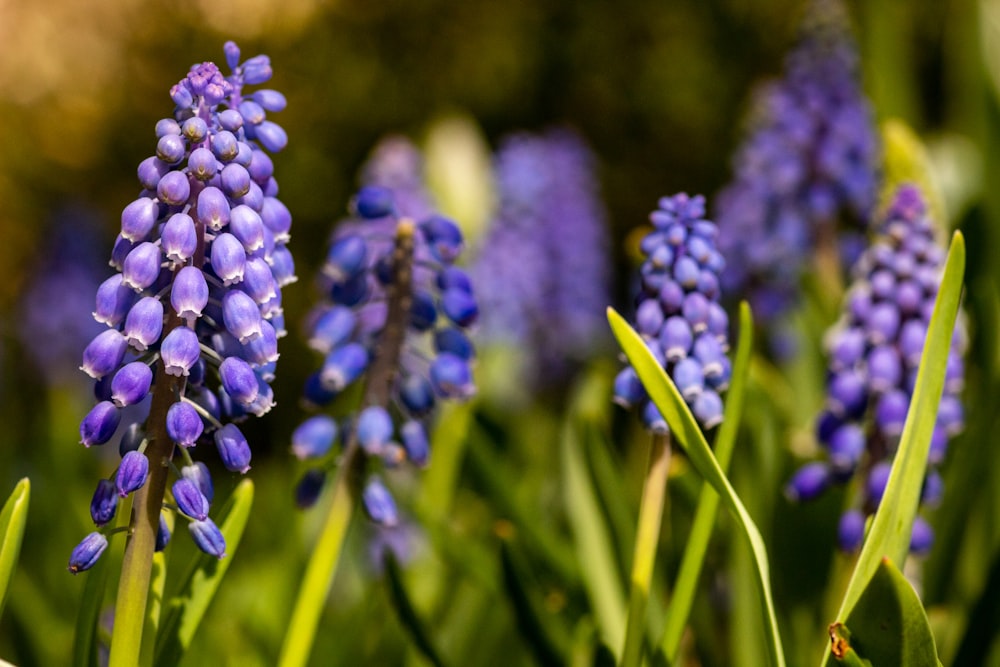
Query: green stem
x,y
322,563
647,539
347,484
133,587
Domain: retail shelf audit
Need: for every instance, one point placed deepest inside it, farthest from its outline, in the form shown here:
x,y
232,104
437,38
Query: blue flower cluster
x,y
194,312
874,353
394,320
678,313
810,158
543,271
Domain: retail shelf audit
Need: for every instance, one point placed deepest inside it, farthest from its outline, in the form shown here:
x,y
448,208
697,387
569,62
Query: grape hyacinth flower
x,y
678,313
809,161
395,319
193,314
874,353
543,273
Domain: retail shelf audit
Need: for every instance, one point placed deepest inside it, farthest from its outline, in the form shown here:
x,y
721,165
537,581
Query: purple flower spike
x,y
132,473
379,504
179,351
131,384
100,424
875,351
233,448
678,313
851,530
314,437
184,425
333,328
208,219
86,553
190,500
208,537
104,354
104,503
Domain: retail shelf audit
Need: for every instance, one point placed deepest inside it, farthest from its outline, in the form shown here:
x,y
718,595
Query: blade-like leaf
x,y
708,501
12,519
185,611
889,536
592,540
539,629
888,625
687,434
407,613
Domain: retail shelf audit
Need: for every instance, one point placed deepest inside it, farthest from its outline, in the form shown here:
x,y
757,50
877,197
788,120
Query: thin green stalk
x,y
322,564
647,540
133,587
708,500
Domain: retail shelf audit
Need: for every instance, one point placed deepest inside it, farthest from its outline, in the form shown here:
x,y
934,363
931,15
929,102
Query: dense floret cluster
x,y
810,161
543,271
194,313
678,313
393,320
874,353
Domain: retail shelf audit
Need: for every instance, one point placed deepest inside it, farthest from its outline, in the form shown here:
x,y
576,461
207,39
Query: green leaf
x,y
889,536
888,625
407,613
687,434
12,519
185,611
708,501
591,539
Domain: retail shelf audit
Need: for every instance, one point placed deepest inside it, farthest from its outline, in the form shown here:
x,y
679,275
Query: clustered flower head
x,y
678,313
809,161
393,320
874,353
543,272
195,307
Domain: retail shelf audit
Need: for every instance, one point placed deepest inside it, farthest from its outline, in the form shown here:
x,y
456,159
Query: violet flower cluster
x,y
678,313
543,272
810,159
874,353
394,322
194,313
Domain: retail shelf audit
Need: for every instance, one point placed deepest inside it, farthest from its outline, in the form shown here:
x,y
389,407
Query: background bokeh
x,y
658,89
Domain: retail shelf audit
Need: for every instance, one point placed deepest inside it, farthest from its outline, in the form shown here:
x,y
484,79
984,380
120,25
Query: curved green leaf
x,y
12,519
889,536
185,611
687,434
888,625
708,501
